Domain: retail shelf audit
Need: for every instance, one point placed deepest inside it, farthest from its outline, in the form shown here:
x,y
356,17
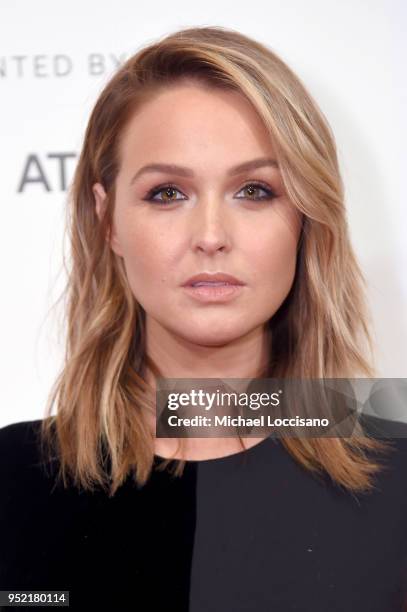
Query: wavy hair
x,y
100,432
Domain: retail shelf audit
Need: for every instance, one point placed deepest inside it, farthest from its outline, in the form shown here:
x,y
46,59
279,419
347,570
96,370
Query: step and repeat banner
x,y
54,61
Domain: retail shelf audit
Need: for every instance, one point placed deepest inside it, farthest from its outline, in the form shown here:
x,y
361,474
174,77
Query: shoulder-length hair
x,y
321,330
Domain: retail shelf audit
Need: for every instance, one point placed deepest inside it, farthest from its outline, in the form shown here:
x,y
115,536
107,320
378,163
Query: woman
x,y
204,156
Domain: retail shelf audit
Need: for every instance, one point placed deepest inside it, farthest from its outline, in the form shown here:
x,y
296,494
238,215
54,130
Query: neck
x,y
175,357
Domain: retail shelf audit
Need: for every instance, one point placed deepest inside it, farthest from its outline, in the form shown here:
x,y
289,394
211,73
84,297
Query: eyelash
x,y
257,184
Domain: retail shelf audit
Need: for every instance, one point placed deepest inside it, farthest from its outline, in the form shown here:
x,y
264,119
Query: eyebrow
x,y
187,172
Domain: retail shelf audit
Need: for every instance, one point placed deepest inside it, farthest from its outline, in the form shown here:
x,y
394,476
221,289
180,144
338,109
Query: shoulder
x,y
393,434
19,431
390,486
19,441
21,459
378,427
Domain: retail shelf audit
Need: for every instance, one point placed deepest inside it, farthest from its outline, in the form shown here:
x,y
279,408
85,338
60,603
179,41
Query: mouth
x,y
212,284
211,279
205,291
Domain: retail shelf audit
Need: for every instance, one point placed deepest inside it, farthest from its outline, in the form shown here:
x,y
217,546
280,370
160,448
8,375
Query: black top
x,y
252,532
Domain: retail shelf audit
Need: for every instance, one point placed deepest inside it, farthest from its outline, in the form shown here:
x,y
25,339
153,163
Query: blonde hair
x,y
321,330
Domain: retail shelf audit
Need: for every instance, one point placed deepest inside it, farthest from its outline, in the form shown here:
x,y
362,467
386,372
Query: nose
x,y
211,226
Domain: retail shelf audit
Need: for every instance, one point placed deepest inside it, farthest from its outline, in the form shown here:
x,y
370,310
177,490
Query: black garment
x,y
250,532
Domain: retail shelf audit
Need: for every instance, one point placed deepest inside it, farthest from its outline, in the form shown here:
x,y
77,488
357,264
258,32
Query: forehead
x,y
191,121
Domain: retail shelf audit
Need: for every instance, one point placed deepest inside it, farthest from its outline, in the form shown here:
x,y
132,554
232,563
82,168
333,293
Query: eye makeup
x,y
169,188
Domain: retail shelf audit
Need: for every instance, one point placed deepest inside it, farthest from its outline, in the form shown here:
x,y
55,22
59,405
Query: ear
x,y
100,205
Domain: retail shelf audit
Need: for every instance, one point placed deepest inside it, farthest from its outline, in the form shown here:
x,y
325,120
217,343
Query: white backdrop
x,y
55,58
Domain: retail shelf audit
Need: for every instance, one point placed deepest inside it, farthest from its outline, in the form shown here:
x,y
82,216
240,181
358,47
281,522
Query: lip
x,y
229,289
214,293
215,277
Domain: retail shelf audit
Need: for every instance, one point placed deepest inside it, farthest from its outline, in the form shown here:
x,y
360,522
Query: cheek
x,y
148,255
273,256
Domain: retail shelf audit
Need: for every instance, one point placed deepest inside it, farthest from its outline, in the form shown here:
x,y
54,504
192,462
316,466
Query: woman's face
x,y
204,214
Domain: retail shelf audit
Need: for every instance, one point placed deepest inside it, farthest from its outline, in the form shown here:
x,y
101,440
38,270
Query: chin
x,y
211,335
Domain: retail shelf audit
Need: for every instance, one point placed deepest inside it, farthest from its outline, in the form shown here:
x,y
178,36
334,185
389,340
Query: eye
x,y
168,190
253,188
